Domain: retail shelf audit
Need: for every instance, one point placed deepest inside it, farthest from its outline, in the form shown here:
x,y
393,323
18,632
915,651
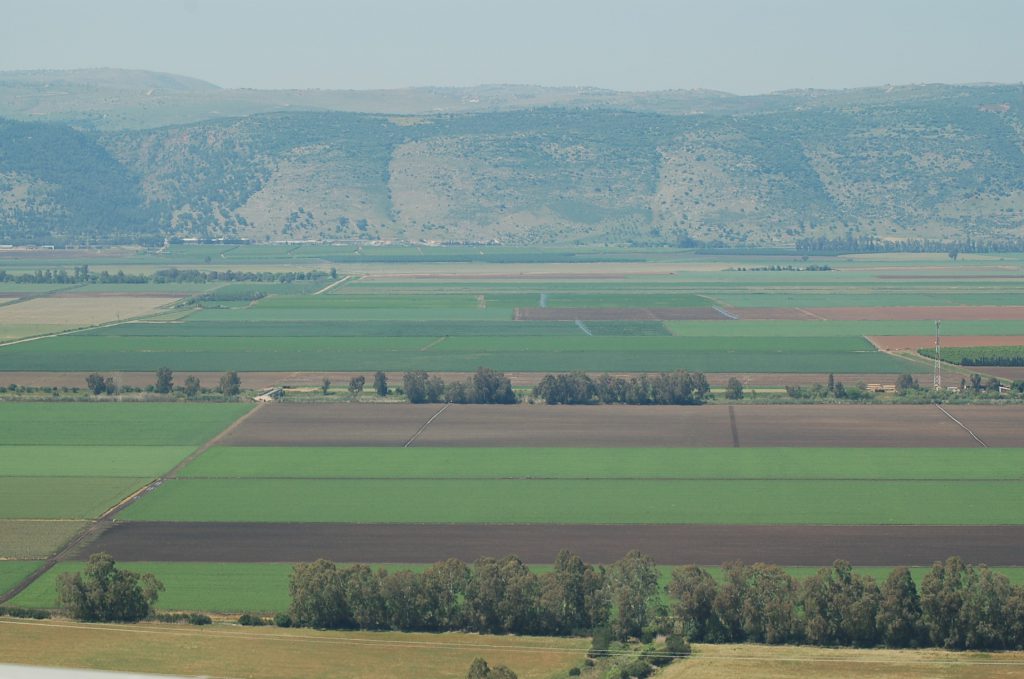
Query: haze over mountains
x,y
112,156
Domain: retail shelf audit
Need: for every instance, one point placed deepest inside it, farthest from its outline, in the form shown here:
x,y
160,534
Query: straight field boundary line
x,y
106,519
732,426
425,425
332,285
433,343
810,314
962,426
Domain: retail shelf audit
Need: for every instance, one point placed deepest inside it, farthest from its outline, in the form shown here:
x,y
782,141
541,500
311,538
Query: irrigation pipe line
x,y
962,426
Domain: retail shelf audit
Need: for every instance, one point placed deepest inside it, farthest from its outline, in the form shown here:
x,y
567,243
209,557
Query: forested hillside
x,y
936,162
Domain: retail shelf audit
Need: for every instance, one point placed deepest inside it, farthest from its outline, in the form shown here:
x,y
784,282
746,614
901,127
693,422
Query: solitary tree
x,y
905,383
734,389
105,593
95,383
191,386
380,383
230,383
164,380
355,386
325,385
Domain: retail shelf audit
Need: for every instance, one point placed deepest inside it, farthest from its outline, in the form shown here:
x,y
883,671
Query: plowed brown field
x,y
367,424
426,543
898,342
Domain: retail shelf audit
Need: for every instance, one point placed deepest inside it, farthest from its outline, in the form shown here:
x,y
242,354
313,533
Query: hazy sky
x,y
743,46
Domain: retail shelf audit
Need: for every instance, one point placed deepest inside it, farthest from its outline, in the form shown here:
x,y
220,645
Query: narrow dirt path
x,y
332,285
106,519
732,426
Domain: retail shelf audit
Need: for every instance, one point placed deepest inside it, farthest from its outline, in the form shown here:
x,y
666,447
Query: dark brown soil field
x,y
920,313
315,424
995,428
617,314
771,314
898,342
853,426
1006,373
701,544
366,424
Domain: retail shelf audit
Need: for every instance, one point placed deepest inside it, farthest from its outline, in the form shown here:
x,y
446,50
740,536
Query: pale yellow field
x,y
78,311
267,652
799,662
35,539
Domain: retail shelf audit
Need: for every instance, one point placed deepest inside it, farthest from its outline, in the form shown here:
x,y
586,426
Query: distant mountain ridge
x,y
107,155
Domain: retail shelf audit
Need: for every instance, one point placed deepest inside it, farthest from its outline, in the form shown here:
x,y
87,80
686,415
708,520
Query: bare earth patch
x,y
368,424
753,661
618,314
899,342
80,310
790,545
275,653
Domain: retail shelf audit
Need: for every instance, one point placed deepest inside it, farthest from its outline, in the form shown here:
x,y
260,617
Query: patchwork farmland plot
x,y
396,483
62,464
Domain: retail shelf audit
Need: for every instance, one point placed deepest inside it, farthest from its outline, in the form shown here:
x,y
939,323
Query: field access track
x,y
673,544
364,424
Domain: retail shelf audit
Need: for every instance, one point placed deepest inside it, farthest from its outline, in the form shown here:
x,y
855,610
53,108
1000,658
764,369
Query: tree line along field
x,y
980,356
263,587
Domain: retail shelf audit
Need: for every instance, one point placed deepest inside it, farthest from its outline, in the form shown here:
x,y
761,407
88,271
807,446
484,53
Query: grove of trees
x,y
105,593
674,388
957,605
485,386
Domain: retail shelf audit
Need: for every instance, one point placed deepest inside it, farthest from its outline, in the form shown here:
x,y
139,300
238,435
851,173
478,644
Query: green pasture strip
x,y
13,572
578,343
248,288
171,289
264,354
836,298
610,463
141,424
302,314
399,301
30,288
794,345
581,502
813,328
110,461
347,329
635,300
58,497
33,538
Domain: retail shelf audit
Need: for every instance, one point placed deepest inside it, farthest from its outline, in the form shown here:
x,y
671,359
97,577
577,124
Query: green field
x,y
812,328
540,354
99,424
12,572
585,501
611,463
59,497
110,461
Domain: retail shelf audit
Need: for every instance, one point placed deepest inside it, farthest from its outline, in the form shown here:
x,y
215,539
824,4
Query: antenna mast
x,y
937,373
